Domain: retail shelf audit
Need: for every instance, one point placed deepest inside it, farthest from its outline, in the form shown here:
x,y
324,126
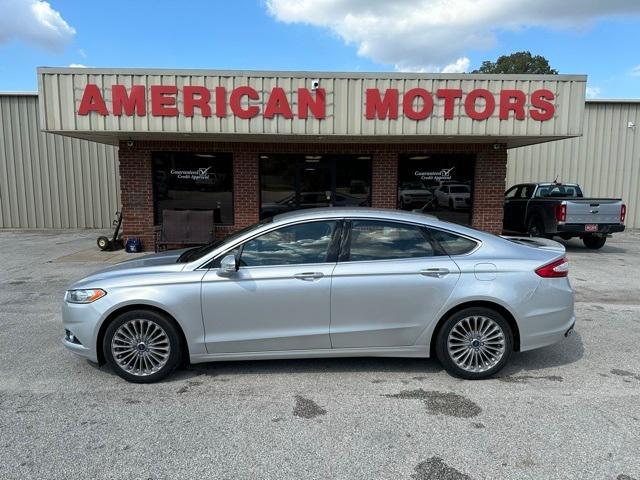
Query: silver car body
x,y
359,308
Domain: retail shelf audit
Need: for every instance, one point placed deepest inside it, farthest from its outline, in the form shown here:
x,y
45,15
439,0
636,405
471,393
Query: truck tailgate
x,y
593,210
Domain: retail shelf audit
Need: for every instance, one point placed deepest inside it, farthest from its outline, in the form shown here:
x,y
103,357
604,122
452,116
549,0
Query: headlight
x,y
84,296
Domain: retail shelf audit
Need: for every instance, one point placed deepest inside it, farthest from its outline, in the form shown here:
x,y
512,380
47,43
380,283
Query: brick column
x,y
136,192
246,188
488,189
384,180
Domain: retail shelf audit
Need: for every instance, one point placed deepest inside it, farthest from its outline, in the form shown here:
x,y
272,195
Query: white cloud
x,y
35,22
78,65
593,92
459,66
635,71
420,35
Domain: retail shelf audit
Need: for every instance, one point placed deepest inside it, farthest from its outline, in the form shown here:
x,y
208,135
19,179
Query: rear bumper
x,y
549,314
577,229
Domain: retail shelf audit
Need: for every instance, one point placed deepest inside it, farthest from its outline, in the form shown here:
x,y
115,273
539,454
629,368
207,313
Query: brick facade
x,y
137,189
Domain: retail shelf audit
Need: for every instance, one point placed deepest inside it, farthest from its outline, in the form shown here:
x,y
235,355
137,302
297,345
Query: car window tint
x,y
372,240
451,243
512,192
292,245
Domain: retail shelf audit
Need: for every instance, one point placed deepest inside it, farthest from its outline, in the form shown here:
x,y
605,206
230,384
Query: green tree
x,y
518,62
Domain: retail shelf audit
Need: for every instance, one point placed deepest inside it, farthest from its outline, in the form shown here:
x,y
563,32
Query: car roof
x,y
376,214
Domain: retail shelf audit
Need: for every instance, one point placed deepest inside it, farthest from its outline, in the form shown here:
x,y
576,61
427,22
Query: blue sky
x,y
596,38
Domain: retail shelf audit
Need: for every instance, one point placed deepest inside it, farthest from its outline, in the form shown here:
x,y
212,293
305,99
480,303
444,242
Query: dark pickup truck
x,y
555,209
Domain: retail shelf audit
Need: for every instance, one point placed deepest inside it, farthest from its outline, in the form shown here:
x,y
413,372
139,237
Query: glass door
x,y
315,182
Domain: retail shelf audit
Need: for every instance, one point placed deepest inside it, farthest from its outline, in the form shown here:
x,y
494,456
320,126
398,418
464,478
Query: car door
x,y
388,286
279,298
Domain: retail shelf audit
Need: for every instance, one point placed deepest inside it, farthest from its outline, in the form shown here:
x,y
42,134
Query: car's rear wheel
x,y
594,242
474,343
142,346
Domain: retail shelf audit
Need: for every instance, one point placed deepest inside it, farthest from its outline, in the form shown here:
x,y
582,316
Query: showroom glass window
x,y
193,181
297,181
440,185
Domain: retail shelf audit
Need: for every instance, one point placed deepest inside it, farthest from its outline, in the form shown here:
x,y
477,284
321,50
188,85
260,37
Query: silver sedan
x,y
333,282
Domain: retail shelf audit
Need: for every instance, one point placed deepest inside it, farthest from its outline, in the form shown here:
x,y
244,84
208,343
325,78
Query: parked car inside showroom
x,y
453,196
334,282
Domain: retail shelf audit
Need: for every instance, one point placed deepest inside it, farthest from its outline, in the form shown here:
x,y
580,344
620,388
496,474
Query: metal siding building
x,y
605,161
51,181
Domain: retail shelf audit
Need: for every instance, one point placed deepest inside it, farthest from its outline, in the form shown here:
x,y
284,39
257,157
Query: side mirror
x,y
228,265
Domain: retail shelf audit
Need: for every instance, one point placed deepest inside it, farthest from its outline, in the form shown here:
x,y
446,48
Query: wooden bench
x,y
185,227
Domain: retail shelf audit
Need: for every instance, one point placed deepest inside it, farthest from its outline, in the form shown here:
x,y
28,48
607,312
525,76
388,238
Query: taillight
x,y
623,212
561,212
558,268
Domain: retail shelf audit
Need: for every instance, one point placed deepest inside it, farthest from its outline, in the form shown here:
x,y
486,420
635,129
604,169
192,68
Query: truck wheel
x,y
536,228
594,242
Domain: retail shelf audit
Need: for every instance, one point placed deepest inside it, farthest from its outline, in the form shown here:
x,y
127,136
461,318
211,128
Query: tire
x,y
163,353
103,243
535,228
594,242
458,359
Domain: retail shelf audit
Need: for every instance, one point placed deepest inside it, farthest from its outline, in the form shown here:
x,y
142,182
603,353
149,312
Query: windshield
x,y
199,252
459,189
414,186
559,191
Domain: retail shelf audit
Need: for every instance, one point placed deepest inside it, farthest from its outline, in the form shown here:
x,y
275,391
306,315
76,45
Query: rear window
x,y
559,191
451,243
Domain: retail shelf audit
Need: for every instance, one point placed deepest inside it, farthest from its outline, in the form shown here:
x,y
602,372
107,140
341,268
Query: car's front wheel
x,y
142,346
474,343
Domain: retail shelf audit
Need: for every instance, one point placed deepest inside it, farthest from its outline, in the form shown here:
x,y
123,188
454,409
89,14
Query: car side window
x,y
451,243
526,192
512,192
379,240
293,245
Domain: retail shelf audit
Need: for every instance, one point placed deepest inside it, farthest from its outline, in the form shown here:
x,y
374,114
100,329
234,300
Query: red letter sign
x,y
470,104
449,95
380,108
202,100
92,101
162,99
236,107
541,99
278,104
221,102
135,102
407,104
512,100
306,103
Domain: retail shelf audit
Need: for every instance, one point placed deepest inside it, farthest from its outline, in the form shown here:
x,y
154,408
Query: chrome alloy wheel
x,y
140,347
476,344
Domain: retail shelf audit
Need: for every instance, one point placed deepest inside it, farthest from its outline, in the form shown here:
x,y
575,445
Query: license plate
x,y
591,227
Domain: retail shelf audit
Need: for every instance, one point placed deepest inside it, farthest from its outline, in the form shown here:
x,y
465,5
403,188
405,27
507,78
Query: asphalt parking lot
x,y
567,411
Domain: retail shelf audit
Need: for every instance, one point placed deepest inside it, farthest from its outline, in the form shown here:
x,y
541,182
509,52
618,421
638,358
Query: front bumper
x,y
82,321
577,229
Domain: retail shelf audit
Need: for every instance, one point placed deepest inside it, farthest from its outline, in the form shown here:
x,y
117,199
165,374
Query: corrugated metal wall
x,y
605,161
50,181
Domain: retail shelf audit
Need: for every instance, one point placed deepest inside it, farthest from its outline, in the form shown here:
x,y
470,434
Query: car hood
x,y
148,264
416,192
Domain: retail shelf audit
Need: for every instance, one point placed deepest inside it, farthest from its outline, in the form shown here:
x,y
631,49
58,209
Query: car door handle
x,y
435,272
309,276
